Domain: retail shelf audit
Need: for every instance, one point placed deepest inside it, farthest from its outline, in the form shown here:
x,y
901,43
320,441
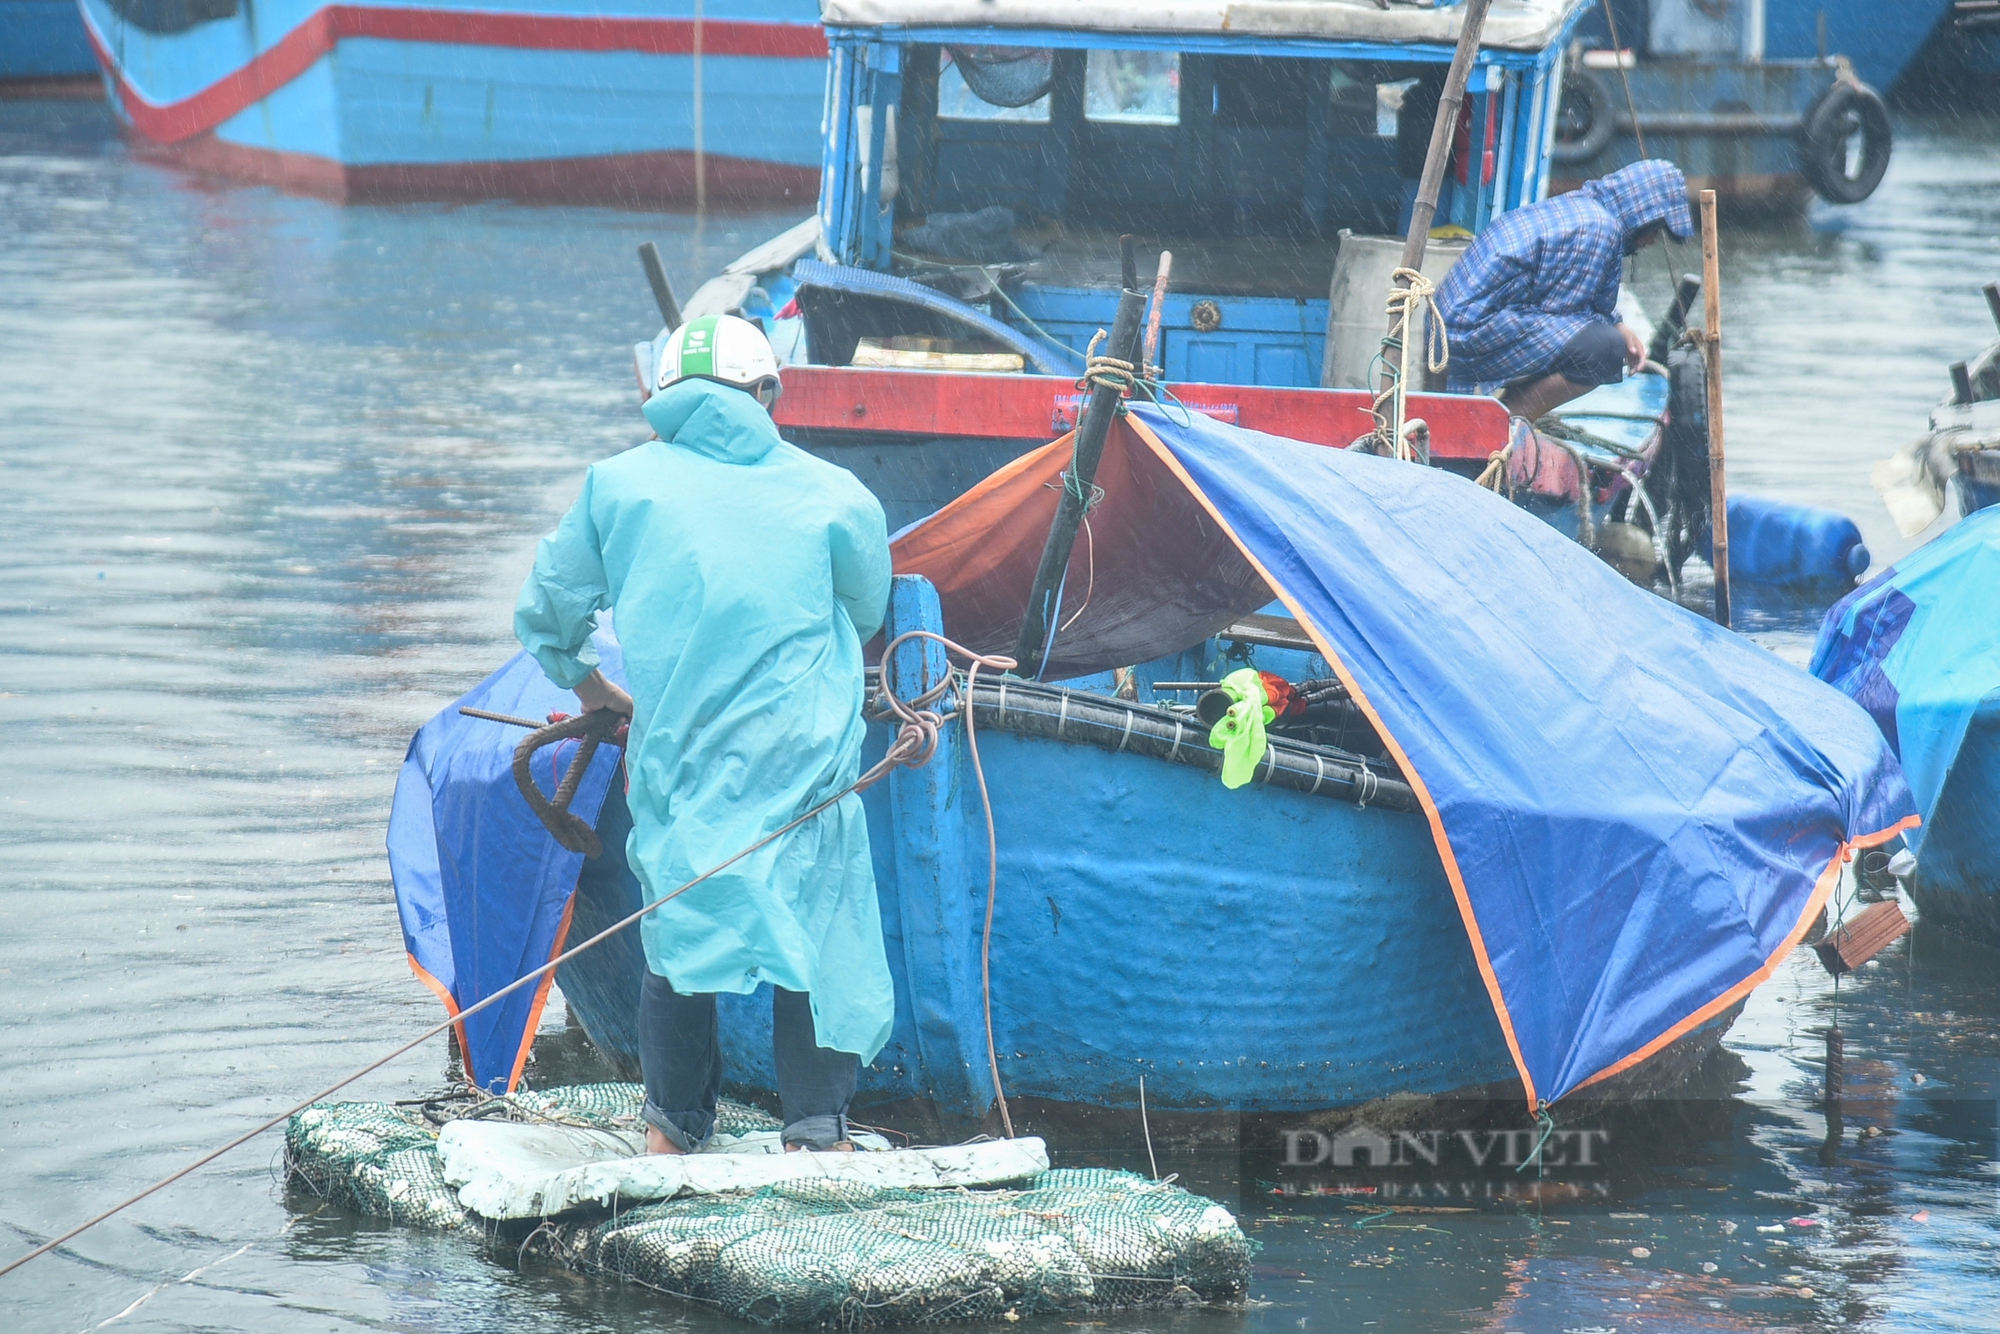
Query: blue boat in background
x,y
1767,102
1919,648
42,41
630,102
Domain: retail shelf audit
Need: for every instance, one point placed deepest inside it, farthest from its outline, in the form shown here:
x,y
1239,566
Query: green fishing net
x,y
848,1256
827,1254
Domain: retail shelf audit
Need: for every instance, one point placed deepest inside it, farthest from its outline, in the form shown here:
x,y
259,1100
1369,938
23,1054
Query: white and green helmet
x,y
724,348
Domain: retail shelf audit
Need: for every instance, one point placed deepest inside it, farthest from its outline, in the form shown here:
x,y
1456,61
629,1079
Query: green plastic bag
x,y
1239,734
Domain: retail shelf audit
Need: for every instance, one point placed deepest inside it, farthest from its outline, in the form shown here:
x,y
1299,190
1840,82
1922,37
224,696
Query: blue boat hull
x,y
1258,950
1958,873
43,39
567,101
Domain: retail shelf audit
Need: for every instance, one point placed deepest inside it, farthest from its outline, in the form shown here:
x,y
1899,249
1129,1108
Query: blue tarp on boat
x,y
1918,646
483,891
1640,811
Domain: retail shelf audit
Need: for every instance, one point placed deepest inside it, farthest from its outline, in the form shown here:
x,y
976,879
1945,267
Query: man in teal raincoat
x,y
744,575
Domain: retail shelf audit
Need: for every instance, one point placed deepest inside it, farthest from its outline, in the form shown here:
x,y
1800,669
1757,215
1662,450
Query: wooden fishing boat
x,y
935,313
1465,874
1918,647
1756,102
1455,873
634,102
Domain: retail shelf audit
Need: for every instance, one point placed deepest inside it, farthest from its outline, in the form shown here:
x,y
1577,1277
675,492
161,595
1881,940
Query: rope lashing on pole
x,y
1416,296
912,747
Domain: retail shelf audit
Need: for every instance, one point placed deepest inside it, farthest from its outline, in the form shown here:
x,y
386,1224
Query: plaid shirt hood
x,y
1541,274
1642,195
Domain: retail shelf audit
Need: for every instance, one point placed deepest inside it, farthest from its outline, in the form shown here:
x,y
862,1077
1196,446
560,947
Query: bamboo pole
x,y
1443,126
1718,491
1038,625
1442,129
700,158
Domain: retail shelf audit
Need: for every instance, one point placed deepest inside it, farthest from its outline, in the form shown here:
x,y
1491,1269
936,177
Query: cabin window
x,y
1008,83
1133,87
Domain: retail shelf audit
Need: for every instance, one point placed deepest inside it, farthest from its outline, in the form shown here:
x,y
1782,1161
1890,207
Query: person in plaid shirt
x,y
1532,305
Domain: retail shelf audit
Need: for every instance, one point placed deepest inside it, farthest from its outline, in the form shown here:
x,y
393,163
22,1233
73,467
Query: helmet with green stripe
x,y
724,348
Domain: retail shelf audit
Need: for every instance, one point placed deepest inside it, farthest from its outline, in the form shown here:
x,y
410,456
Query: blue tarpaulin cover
x,y
1918,646
483,891
1640,813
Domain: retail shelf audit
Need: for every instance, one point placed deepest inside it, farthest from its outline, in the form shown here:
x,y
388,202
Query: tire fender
x,y
1843,110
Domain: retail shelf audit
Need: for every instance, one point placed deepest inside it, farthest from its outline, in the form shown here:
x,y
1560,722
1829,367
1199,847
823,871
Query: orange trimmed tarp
x,y
1640,813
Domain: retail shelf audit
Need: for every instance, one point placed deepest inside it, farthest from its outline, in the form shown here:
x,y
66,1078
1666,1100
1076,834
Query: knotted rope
x,y
1410,295
1109,372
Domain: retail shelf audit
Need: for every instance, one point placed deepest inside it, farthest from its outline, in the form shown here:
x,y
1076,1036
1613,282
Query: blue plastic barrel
x,y
1774,541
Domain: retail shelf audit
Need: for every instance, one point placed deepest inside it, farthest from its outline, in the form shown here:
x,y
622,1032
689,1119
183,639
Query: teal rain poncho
x,y
744,576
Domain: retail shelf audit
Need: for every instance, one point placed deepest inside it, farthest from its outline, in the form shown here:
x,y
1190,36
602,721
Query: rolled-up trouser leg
x,y
815,1083
680,1053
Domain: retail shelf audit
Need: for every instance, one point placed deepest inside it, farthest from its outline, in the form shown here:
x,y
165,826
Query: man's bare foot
x,y
845,1146
659,1143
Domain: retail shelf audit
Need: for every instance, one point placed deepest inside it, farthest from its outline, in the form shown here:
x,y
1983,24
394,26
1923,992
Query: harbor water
x,y
273,472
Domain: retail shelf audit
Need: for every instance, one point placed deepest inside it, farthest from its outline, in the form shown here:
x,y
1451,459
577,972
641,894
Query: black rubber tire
x,y
1844,110
1585,98
1679,478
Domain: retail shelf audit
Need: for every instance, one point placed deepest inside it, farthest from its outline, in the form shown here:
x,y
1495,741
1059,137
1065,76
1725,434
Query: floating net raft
x,y
826,1252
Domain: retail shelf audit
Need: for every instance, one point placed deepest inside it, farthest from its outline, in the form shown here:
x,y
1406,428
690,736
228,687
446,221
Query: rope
x,y
1547,1124
914,744
1107,372
913,717
1410,293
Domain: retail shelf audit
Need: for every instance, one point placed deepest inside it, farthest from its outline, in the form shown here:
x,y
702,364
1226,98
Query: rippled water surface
x,y
273,470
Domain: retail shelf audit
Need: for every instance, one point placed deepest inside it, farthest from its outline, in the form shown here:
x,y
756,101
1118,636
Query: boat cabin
x,y
996,149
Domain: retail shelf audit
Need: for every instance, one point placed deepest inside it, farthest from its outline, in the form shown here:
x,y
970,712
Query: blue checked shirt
x,y
1538,276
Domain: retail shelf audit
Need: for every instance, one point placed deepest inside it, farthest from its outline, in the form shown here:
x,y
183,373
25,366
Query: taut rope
x,y
914,744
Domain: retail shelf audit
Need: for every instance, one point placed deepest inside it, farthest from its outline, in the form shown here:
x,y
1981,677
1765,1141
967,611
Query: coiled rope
x,y
914,744
1410,294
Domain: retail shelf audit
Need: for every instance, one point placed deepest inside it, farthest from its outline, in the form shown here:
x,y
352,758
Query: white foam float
x,y
507,1170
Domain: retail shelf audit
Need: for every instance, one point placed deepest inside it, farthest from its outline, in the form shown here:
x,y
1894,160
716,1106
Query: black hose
x,y
1061,714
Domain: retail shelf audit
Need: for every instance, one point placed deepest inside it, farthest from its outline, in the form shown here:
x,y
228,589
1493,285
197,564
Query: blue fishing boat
x,y
1462,874
42,42
644,101
1749,100
1463,867
1919,648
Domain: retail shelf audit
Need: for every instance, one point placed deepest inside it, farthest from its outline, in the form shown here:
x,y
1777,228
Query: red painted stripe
x,y
1040,407
623,180
295,53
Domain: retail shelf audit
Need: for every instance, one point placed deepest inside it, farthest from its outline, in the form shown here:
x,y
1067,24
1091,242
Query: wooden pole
x,y
1038,625
1718,491
1160,281
1442,129
663,291
700,158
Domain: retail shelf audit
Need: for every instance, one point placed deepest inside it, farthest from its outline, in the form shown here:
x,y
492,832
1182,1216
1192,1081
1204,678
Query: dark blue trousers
x,y
680,1052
